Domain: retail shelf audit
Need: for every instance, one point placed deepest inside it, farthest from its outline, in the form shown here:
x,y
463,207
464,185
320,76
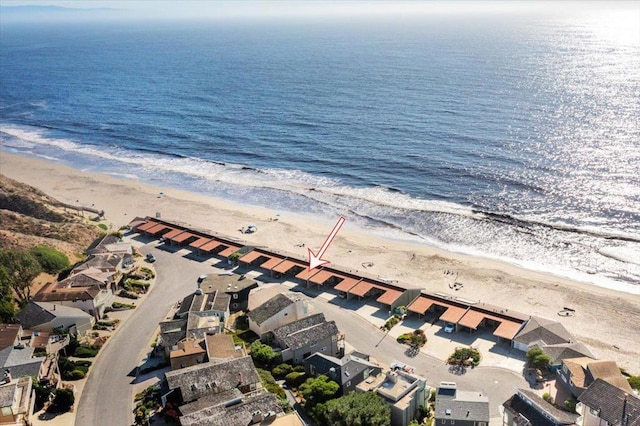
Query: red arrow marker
x,y
316,260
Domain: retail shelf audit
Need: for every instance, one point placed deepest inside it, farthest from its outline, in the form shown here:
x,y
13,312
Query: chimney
x,y
468,413
7,376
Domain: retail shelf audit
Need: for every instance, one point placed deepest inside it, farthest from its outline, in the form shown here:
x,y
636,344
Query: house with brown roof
x,y
200,314
90,299
281,309
605,404
299,339
577,374
211,348
222,347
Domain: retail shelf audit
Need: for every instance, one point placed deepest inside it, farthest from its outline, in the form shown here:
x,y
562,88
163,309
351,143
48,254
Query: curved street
x,y
107,398
108,393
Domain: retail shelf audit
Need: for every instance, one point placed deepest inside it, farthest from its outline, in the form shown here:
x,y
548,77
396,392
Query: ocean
x,y
514,137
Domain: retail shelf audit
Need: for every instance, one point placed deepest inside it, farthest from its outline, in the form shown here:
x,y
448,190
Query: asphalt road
x,y
497,383
108,393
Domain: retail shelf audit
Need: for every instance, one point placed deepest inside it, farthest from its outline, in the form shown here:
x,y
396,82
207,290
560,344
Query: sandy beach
x,y
606,320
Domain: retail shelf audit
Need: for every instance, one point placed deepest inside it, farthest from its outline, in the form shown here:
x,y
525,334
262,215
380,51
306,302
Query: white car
x,y
449,328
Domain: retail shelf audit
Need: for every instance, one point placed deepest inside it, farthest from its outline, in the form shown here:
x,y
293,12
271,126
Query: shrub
x,y
270,384
281,370
73,375
295,379
103,226
391,322
570,405
118,305
85,352
547,397
465,356
51,260
634,382
404,338
127,294
63,400
264,355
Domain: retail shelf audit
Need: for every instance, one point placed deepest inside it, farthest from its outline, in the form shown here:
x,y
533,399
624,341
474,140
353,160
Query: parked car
x,y
449,328
151,258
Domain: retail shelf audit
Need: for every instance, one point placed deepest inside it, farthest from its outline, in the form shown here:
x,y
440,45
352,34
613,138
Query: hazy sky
x,y
225,9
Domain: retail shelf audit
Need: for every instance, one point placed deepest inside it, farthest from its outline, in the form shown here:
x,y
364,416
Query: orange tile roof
x,y
389,296
147,225
253,255
184,236
321,277
346,284
361,288
210,246
159,228
306,274
420,305
200,242
453,314
271,263
285,266
173,233
507,329
471,319
229,251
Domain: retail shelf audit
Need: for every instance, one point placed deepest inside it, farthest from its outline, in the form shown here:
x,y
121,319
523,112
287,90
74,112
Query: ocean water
x,y
513,137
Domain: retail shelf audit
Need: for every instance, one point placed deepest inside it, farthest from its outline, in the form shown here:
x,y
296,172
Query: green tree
x,y
318,390
281,370
263,355
63,400
51,260
20,268
354,409
537,358
634,382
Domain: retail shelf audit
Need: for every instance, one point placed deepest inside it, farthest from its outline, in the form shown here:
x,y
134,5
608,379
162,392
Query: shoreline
x,y
485,279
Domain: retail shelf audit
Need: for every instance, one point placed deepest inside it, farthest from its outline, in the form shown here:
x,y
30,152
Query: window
x,y
349,383
235,295
324,348
234,305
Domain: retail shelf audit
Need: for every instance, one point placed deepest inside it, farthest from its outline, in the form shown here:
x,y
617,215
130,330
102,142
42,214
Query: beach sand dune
x,y
606,320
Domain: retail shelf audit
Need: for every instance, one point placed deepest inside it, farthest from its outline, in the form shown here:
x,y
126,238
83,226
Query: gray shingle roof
x,y
541,329
346,368
616,406
234,415
211,378
271,307
33,315
566,350
462,405
306,331
209,401
537,411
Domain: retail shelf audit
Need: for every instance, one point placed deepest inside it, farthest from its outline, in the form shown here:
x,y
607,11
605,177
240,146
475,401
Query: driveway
x,y
107,397
108,393
497,383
